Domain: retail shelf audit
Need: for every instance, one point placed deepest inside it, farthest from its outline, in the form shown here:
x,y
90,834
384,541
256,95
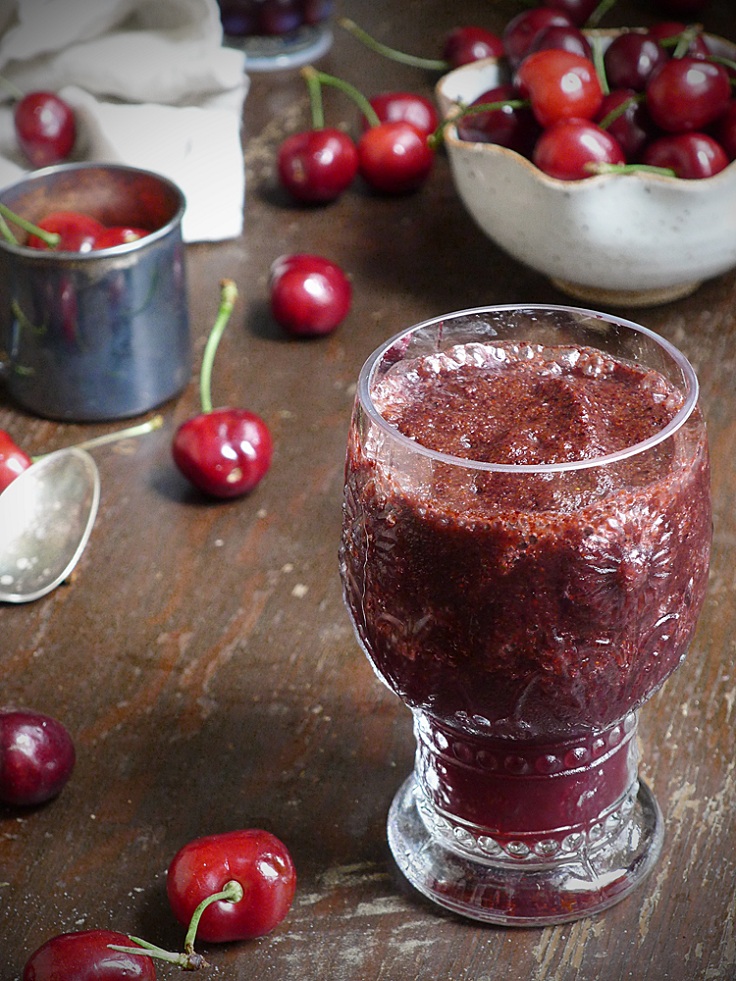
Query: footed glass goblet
x,y
525,550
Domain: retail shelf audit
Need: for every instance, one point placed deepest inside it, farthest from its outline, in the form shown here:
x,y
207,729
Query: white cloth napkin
x,y
152,86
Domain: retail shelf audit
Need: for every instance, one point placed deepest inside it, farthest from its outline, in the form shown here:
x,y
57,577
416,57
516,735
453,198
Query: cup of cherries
x,y
94,322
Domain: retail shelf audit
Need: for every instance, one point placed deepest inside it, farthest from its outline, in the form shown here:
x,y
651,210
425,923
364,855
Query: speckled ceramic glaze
x,y
637,239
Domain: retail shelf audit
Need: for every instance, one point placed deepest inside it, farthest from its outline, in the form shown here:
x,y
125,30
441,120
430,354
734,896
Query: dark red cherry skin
x,y
118,235
577,10
692,156
687,94
514,128
568,149
310,295
631,59
560,85
317,165
394,158
522,30
464,45
37,757
725,130
86,956
668,32
45,128
256,859
78,231
224,453
13,460
566,38
408,107
633,129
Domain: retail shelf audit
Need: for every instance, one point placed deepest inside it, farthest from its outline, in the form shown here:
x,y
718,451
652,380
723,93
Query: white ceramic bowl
x,y
636,239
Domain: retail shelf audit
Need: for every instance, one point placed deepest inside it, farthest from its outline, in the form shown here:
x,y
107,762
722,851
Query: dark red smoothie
x,y
535,609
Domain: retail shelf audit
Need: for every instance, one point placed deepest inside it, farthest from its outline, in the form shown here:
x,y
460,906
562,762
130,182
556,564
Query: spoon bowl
x,y
46,517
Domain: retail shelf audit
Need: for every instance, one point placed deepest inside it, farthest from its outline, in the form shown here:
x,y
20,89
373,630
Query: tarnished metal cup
x,y
89,336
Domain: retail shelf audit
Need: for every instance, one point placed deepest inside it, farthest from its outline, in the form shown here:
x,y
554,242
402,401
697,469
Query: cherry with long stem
x,y
188,959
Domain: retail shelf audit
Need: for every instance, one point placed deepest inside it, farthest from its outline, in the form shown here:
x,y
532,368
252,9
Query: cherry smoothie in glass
x,y
277,34
525,553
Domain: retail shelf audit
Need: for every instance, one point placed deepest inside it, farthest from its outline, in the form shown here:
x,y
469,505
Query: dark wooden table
x,y
206,667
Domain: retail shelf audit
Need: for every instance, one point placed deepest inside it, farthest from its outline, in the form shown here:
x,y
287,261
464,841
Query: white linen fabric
x,y
152,86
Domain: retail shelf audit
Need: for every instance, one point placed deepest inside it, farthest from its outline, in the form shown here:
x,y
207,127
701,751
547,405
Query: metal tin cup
x,y
89,336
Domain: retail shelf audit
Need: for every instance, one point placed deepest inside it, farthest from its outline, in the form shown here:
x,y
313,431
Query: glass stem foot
x,y
596,871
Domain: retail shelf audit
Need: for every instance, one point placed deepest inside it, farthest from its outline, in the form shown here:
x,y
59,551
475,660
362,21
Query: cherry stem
x,y
620,109
188,959
603,7
228,296
435,139
414,61
634,168
11,87
322,78
50,238
140,429
314,88
600,65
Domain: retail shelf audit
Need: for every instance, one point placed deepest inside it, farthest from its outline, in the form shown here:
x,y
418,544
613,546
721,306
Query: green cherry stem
x,y
50,238
634,168
435,139
414,61
603,7
309,72
188,959
316,104
228,296
140,429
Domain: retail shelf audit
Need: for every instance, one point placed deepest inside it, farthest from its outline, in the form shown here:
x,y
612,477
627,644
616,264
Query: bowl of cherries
x,y
604,159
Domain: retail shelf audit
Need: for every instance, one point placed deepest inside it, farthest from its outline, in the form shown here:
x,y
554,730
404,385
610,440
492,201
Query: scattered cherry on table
x,y
37,757
87,955
256,860
310,295
45,127
224,452
13,460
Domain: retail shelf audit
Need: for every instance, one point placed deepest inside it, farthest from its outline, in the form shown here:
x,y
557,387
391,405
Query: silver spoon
x,y
46,516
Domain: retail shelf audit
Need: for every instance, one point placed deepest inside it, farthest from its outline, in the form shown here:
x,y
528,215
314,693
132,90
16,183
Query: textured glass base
x,y
456,869
270,54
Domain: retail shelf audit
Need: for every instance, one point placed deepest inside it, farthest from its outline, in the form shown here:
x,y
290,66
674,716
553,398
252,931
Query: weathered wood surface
x,y
204,662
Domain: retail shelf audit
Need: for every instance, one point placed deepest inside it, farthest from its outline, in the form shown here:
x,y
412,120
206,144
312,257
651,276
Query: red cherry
x,y
255,859
317,165
669,32
560,85
577,10
36,757
687,94
310,296
464,45
570,149
394,158
78,231
86,956
13,461
692,156
45,128
725,130
409,107
567,38
515,128
118,235
632,128
631,59
522,30
224,452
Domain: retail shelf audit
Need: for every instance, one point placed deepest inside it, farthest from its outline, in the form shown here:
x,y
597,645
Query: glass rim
x,y
370,366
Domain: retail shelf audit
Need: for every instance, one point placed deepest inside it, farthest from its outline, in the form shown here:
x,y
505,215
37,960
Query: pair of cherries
x,y
74,231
